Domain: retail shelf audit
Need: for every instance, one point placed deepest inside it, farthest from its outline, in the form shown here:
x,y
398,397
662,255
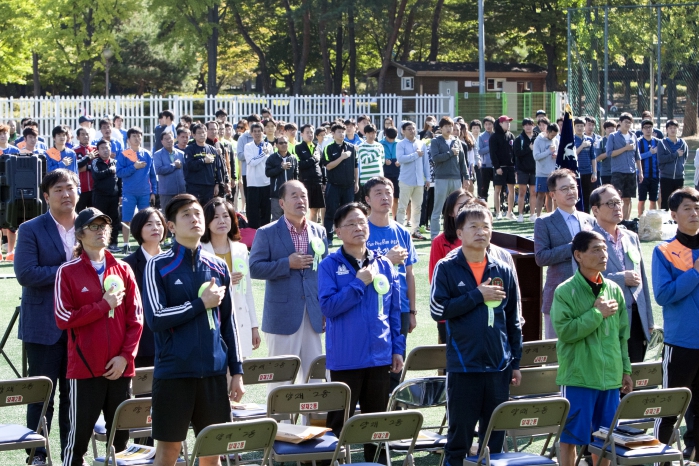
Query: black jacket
x,y
524,155
309,165
277,175
343,173
137,262
501,147
106,181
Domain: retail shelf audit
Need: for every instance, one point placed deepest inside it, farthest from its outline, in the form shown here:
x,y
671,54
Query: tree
x,y
434,43
19,19
394,16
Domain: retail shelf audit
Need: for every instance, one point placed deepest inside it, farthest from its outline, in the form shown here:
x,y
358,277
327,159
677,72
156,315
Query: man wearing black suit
x,y
44,243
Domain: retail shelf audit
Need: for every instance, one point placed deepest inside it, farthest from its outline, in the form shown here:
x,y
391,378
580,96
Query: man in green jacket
x,y
589,316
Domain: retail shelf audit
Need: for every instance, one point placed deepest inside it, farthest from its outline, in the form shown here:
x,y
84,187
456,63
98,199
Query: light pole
x,y
107,54
481,48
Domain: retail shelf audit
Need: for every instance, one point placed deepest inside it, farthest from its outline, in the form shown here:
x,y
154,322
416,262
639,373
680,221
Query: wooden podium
x,y
530,278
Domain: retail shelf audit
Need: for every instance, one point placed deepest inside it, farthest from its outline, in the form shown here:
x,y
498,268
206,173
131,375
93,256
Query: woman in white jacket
x,y
222,238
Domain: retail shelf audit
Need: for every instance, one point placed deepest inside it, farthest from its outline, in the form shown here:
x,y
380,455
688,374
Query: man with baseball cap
x,y
503,158
97,302
539,115
85,121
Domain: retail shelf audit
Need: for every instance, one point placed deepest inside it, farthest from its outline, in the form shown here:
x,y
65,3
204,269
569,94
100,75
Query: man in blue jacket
x,y
476,295
139,184
675,274
169,163
672,157
360,298
189,308
44,243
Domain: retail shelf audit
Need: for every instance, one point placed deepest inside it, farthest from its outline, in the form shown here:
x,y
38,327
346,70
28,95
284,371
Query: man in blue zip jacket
x,y
476,295
359,294
188,307
648,148
672,157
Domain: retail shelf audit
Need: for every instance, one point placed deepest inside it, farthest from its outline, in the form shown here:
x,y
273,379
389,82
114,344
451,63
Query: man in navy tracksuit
x,y
476,295
188,307
359,295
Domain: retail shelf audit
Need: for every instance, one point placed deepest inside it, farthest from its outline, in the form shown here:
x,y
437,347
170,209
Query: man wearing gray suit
x,y
283,254
625,267
553,237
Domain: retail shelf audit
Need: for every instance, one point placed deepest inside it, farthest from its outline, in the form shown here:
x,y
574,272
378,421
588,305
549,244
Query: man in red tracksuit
x,y
103,327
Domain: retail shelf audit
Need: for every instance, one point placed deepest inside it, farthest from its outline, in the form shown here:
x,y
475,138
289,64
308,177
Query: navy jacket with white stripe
x,y
472,345
185,344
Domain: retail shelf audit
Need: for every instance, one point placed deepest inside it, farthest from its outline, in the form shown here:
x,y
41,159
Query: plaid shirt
x,y
300,240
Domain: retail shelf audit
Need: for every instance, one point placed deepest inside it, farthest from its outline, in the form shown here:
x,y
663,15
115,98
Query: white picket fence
x,y
143,111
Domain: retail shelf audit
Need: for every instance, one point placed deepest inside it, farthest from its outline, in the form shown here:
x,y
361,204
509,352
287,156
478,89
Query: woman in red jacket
x,y
98,303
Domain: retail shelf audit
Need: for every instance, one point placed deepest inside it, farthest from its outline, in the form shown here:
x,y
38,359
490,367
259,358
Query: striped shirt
x,y
371,159
300,239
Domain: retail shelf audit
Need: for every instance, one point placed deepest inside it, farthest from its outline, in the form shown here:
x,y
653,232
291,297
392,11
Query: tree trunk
x,y
434,41
337,77
35,73
352,50
406,42
322,31
395,20
671,89
264,71
690,109
295,54
305,49
551,71
213,18
86,76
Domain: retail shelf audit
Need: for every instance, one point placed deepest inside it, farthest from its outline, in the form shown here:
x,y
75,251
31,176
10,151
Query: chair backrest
x,y
380,427
425,358
646,375
422,392
131,414
537,353
16,392
142,383
536,381
317,370
270,370
662,402
237,437
309,398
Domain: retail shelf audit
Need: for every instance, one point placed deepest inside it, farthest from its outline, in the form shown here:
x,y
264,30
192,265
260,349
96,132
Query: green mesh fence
x,y
618,46
476,106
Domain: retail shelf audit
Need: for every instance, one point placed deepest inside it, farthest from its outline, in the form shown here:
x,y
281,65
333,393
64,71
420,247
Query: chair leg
x,y
579,456
45,433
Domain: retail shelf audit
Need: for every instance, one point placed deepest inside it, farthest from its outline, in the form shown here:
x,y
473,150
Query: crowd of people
x,y
182,301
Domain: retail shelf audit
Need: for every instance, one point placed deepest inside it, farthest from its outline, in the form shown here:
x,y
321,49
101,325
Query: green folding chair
x,y
130,415
425,358
379,428
141,384
645,376
539,353
258,371
537,382
535,414
235,438
422,393
318,370
635,405
18,392
289,401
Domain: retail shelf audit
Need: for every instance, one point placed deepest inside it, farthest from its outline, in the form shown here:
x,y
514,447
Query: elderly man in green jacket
x,y
589,316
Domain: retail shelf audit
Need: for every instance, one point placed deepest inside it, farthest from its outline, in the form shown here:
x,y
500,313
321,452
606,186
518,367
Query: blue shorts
x,y
589,409
541,186
130,203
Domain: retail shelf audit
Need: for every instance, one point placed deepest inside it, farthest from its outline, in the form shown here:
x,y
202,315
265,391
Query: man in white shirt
x,y
258,208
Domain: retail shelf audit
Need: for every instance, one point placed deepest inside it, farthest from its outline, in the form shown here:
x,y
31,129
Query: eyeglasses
x,y
612,204
240,127
567,189
355,225
96,226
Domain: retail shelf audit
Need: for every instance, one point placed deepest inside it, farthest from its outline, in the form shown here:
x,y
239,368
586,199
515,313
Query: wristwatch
x,y
413,312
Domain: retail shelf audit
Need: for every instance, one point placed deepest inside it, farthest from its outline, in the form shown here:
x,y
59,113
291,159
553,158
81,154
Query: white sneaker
x,y
520,219
499,216
532,217
511,216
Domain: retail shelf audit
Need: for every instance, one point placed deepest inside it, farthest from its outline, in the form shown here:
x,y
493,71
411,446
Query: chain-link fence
x,y
633,59
517,106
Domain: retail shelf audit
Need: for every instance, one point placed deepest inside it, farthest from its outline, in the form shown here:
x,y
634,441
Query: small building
x,y
410,78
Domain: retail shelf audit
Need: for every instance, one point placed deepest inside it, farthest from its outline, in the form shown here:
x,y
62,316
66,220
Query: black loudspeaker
x,y
20,193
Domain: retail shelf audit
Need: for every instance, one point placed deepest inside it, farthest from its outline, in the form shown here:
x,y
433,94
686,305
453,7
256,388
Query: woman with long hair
x,y
469,146
222,238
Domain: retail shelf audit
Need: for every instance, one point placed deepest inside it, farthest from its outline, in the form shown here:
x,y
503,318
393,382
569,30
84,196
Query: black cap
x,y
89,215
85,118
646,122
540,112
527,121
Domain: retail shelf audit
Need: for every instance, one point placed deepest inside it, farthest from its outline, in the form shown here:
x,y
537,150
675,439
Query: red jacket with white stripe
x,y
93,337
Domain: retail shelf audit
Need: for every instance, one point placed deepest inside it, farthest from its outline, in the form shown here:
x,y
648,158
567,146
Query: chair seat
x,y
434,440
260,410
637,452
514,459
633,422
324,444
100,461
14,433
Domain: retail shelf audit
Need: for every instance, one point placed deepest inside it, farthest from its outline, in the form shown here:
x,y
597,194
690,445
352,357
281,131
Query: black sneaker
x,y
126,249
38,459
113,248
